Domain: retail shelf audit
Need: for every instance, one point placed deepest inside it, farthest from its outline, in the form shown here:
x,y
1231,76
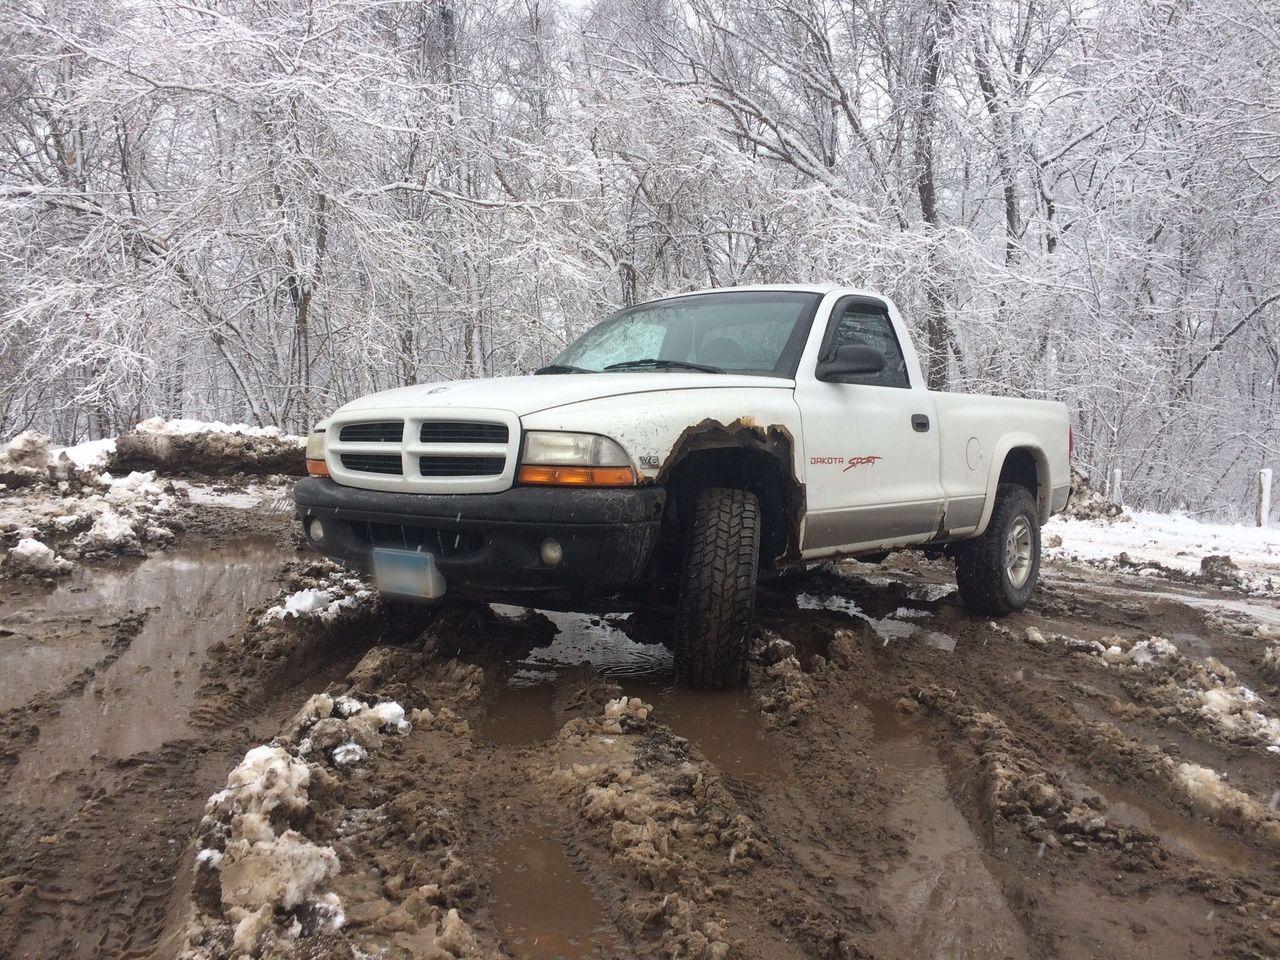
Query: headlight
x,y
574,459
315,445
553,448
316,465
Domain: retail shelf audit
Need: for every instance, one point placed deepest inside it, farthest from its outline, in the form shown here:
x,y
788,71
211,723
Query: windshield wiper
x,y
562,368
654,364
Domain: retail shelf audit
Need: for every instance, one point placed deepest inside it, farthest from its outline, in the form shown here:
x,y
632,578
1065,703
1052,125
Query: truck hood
x,y
526,395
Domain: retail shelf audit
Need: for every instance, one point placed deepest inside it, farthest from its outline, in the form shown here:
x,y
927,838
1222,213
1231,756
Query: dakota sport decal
x,y
848,462
860,462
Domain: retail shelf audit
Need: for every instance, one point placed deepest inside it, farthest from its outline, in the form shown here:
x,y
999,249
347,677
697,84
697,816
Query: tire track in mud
x,y
900,779
91,858
821,819
1083,880
889,798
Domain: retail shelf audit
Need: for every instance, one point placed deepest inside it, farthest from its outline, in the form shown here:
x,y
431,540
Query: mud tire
x,y
717,589
981,572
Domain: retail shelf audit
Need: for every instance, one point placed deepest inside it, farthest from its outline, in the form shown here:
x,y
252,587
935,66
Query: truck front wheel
x,y
997,572
717,589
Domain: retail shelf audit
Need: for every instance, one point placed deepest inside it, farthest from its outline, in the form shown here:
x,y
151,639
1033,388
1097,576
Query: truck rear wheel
x,y
997,572
718,589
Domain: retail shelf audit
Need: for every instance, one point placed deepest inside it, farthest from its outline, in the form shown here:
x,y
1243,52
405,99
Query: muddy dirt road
x,y
900,779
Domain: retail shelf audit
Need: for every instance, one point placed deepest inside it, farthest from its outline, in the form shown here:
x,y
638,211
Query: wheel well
x,y
746,468
1022,466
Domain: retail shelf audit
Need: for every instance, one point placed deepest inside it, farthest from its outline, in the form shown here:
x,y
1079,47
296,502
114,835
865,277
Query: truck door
x,y
870,441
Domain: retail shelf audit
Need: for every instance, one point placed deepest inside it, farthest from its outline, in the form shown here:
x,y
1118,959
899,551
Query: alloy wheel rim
x,y
1017,553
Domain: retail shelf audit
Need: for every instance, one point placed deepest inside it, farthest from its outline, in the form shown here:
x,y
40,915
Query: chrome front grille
x,y
460,451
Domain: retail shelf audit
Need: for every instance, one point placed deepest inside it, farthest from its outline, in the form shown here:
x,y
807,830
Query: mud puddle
x,y
582,638
1189,838
896,626
521,713
723,725
38,658
943,899
195,598
543,907
524,710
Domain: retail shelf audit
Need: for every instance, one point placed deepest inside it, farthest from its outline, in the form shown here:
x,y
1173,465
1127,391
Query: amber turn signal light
x,y
577,476
317,468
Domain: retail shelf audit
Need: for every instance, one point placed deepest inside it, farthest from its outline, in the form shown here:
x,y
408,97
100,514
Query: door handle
x,y
919,423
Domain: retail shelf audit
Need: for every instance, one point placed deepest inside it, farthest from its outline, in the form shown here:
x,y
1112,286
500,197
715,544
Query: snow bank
x,y
78,513
188,447
109,530
27,449
184,427
25,462
1087,503
87,455
1176,542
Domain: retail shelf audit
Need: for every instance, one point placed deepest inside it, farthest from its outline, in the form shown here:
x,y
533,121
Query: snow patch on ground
x,y
87,455
259,878
76,512
1207,688
349,754
269,876
1177,542
1212,796
263,863
325,603
32,556
1140,654
1270,665
250,496
1232,707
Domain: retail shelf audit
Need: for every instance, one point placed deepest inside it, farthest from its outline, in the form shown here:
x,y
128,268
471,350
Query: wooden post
x,y
1264,496
1115,487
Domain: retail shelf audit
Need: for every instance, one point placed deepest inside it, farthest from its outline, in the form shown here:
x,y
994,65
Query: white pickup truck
x,y
678,451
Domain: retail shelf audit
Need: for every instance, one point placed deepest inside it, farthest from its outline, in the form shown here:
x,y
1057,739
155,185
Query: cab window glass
x,y
865,326
757,332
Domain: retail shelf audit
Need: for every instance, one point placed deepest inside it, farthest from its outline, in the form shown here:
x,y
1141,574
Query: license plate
x,y
407,573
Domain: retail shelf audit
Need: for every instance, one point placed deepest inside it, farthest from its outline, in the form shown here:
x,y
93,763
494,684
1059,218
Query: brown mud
x,y
209,454
899,779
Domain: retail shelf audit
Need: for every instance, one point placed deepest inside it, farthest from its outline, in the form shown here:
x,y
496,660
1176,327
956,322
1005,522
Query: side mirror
x,y
851,360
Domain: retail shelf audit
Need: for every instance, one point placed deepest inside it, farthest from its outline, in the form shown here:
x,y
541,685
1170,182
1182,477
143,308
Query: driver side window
x,y
863,325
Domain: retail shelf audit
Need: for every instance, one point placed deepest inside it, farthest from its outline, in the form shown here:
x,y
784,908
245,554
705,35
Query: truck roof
x,y
819,288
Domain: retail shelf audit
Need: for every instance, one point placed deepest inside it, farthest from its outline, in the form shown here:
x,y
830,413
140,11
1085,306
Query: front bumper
x,y
488,546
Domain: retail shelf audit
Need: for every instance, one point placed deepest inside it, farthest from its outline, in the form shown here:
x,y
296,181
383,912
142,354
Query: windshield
x,y
755,332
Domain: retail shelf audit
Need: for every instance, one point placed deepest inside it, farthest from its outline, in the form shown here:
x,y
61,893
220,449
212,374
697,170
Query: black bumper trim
x,y
607,536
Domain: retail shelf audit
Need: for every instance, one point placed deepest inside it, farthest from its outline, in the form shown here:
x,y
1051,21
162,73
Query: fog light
x,y
552,553
315,530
